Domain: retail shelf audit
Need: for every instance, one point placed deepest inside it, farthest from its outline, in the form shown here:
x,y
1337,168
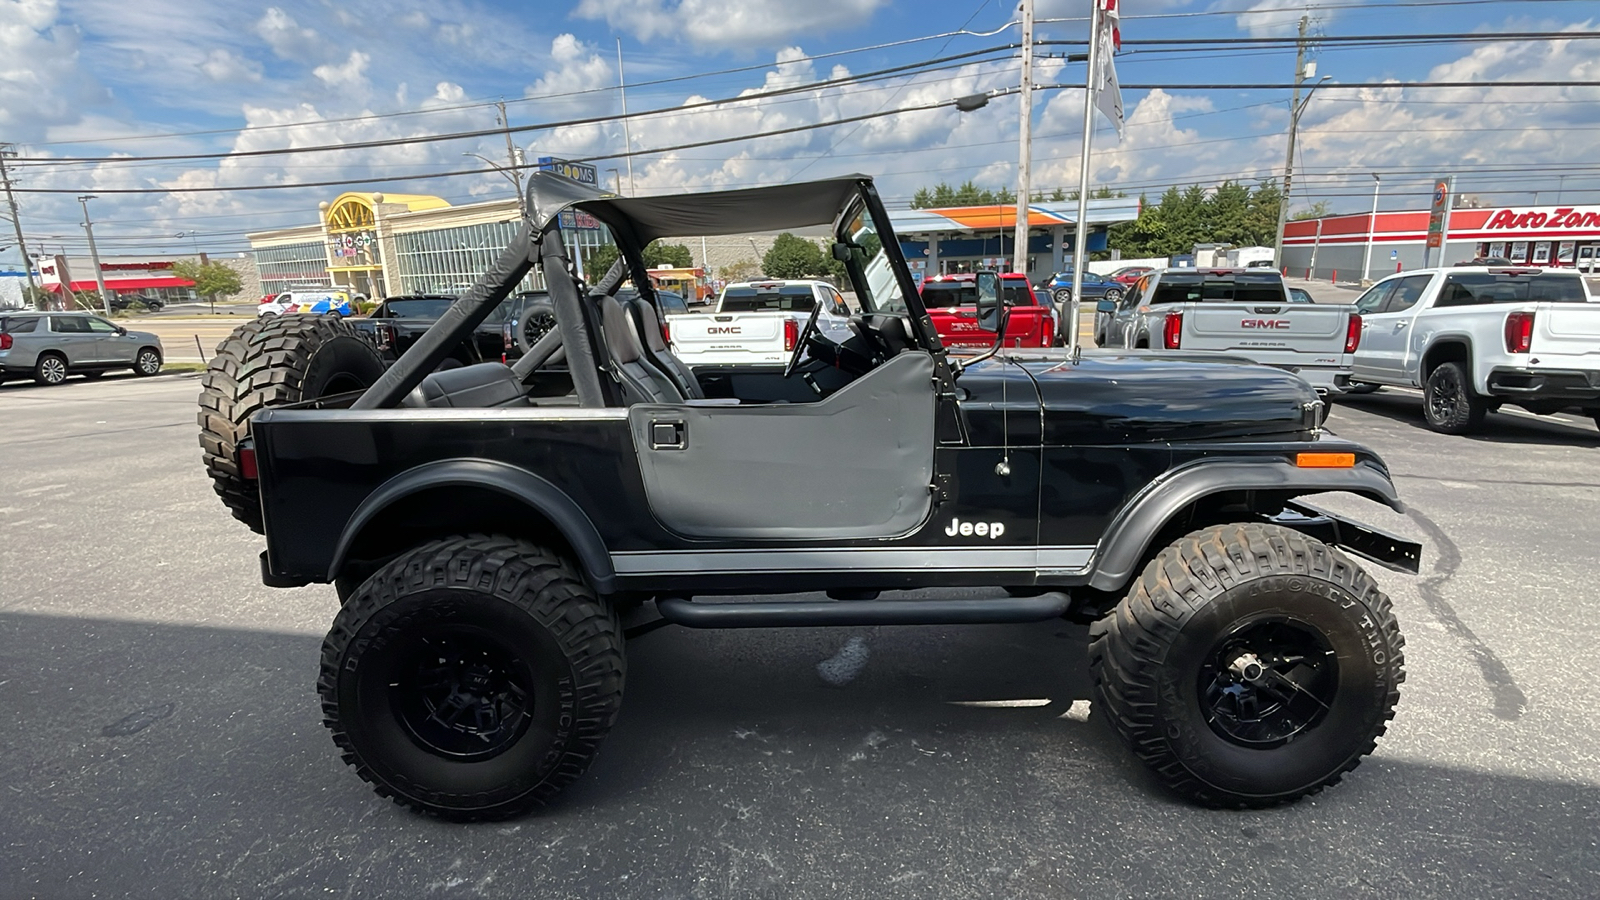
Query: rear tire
x,y
1249,665
273,361
1062,295
50,369
1114,295
472,678
1448,404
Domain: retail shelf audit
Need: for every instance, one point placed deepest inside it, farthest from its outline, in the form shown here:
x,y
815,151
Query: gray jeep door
x,y
855,465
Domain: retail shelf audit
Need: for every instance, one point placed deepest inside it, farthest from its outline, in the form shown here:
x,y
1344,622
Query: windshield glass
x,y
881,290
767,298
417,309
1243,287
1471,288
946,294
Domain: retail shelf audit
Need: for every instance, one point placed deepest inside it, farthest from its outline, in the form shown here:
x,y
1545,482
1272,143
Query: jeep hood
x,y
1141,397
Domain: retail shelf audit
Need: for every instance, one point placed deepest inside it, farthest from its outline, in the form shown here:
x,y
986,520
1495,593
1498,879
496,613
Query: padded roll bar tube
x,y
457,323
580,345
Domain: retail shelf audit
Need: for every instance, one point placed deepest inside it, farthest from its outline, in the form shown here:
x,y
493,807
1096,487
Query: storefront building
x,y
382,245
131,275
1564,236
967,238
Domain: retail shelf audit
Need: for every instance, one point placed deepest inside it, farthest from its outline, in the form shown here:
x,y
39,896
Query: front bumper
x,y
1544,384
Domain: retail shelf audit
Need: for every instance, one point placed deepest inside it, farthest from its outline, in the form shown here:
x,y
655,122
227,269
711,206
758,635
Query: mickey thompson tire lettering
x,y
273,361
530,608
1147,658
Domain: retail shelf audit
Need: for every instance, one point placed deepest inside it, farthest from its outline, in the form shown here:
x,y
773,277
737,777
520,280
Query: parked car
x,y
123,301
50,346
487,544
758,322
1476,337
1095,287
1246,312
321,302
952,302
1129,274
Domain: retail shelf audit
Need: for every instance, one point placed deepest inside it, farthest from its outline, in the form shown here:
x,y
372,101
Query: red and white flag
x,y
1103,81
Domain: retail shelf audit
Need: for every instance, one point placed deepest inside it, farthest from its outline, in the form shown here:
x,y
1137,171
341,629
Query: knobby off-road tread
x,y
262,364
1129,646
538,581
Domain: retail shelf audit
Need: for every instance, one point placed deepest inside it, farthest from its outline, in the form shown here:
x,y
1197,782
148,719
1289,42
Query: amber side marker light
x,y
1325,460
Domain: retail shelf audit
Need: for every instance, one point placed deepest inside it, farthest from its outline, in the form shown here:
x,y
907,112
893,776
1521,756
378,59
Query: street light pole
x,y
511,154
1019,240
94,254
1372,227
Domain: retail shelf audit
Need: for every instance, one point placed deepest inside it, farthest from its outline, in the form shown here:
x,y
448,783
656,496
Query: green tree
x,y
211,279
1315,211
598,262
793,257
675,255
740,270
922,199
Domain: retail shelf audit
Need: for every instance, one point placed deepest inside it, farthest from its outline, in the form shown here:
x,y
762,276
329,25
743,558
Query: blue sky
x,y
77,77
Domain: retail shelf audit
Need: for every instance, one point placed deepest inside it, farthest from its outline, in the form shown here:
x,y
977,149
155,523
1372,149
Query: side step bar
x,y
777,614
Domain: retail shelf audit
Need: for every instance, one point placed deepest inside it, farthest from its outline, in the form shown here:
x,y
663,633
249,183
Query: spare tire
x,y
535,320
273,361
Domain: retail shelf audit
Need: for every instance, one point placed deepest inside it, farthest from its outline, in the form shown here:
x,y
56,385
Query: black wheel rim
x,y
1267,682
536,325
462,694
1444,396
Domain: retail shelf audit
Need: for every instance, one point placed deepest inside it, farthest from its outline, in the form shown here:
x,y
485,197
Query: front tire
x,y
148,362
1062,295
1114,295
472,678
1250,665
1448,403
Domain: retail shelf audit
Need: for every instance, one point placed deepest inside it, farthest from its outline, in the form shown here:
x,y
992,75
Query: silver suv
x,y
50,346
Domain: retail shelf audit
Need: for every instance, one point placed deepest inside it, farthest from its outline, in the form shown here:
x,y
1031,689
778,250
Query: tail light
x,y
791,334
247,463
5,342
1352,334
386,336
666,332
1172,331
1519,332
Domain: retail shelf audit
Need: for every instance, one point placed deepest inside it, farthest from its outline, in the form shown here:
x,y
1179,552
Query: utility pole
x,y
1080,227
1019,248
94,254
1294,122
515,158
7,151
1372,227
627,137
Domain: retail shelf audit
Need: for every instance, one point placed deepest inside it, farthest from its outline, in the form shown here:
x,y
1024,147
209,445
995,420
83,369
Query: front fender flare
x,y
536,492
1128,539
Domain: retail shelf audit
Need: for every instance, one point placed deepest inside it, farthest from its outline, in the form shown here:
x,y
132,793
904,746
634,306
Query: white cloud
x,y
729,22
347,74
221,65
286,38
1276,18
575,66
41,81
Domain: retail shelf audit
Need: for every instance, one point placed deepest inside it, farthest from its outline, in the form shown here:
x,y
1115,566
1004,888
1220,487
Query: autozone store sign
x,y
1566,218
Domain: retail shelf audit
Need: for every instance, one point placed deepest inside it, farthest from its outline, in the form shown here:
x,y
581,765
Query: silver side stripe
x,y
897,559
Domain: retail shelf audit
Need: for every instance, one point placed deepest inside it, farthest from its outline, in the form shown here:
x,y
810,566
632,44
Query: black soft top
x,y
752,210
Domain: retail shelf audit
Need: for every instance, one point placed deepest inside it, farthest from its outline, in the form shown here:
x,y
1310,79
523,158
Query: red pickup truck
x,y
952,301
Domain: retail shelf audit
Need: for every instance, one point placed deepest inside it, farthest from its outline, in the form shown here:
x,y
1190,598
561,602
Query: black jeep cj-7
x,y
489,527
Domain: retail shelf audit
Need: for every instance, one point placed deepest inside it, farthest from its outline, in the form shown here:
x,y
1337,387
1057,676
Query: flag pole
x,y
1019,246
1080,230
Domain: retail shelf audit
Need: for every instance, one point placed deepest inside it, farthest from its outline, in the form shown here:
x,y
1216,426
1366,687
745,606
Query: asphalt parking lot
x,y
164,739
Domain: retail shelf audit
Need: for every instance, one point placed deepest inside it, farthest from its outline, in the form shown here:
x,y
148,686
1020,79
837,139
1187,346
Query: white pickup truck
x,y
757,322
1244,312
1473,338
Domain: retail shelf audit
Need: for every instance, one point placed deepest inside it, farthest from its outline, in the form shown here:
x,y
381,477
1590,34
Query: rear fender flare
x,y
539,495
1128,539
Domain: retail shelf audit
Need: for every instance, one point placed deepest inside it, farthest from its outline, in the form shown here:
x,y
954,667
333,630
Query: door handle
x,y
1400,325
667,435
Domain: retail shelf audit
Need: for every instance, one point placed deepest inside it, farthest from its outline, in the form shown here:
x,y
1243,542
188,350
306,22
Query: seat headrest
x,y
621,343
649,326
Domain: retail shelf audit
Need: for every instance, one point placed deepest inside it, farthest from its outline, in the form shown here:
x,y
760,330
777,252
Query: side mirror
x,y
1106,306
121,330
841,251
991,312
